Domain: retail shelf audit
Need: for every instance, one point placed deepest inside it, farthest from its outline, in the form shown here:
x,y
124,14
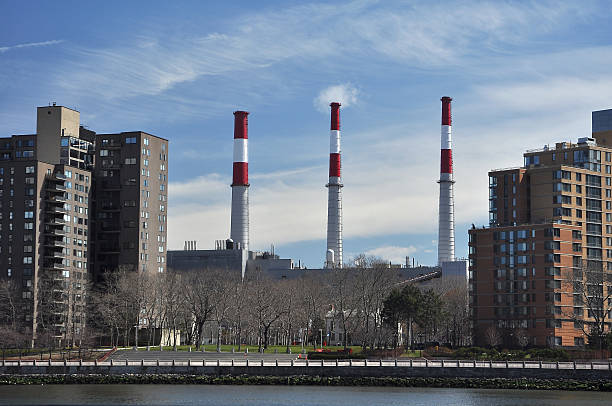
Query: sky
x,y
522,74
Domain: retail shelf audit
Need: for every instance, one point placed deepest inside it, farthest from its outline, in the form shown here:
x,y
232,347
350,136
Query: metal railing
x,y
400,363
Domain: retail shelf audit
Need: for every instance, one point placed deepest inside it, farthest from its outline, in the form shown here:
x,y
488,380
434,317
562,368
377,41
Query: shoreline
x,y
599,385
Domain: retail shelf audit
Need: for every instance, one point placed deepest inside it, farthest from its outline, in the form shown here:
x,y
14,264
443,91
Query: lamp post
x,y
321,335
136,326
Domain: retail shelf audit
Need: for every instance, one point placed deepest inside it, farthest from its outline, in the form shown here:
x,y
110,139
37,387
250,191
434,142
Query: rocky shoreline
x,y
429,382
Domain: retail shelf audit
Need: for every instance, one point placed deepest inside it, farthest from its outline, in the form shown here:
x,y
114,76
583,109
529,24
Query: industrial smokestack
x,y
334,187
446,219
239,232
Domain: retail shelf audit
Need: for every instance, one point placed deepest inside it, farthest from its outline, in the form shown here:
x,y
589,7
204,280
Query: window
x,y
130,161
130,140
29,169
28,214
145,141
27,260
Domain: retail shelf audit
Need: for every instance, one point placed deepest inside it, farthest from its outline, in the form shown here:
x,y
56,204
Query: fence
x,y
395,363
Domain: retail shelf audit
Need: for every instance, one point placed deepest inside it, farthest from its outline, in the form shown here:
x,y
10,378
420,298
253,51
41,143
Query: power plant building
x,y
543,267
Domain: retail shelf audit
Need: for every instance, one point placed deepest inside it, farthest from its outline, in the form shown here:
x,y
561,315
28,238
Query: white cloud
x,y
30,44
393,253
345,94
363,33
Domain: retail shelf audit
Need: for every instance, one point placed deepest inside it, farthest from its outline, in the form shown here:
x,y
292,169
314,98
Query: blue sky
x,y
522,74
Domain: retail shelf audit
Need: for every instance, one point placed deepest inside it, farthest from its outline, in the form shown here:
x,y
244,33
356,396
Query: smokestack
x,y
334,187
240,185
446,219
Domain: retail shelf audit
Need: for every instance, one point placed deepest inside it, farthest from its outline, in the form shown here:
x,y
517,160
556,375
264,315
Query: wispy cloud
x,y
419,35
30,45
345,94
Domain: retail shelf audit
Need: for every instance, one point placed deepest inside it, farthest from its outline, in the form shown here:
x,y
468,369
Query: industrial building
x,y
543,267
233,254
73,202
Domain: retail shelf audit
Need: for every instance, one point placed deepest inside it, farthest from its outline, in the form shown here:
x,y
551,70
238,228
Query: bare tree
x,y
345,300
173,304
266,305
492,336
592,300
199,299
521,337
223,287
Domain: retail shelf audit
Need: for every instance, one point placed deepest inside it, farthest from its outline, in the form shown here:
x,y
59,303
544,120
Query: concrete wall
x,y
315,370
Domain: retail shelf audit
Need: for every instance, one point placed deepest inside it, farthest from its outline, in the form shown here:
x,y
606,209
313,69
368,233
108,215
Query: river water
x,y
287,396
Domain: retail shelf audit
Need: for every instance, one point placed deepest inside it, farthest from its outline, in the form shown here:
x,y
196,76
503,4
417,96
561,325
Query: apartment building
x,y
54,211
131,184
541,272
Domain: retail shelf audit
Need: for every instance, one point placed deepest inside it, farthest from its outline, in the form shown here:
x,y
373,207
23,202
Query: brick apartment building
x,y
74,204
542,269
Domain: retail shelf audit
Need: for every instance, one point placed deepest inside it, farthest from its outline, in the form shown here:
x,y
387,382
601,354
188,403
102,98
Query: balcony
x,y
55,188
56,210
56,199
58,266
54,255
56,233
56,222
54,244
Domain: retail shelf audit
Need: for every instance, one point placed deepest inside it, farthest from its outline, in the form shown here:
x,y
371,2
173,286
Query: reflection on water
x,y
287,396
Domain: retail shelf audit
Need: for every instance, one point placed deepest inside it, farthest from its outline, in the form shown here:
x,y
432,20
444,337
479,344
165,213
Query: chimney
x,y
334,187
446,216
239,231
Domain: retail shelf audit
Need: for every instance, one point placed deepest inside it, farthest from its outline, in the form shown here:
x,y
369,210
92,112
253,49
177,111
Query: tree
x,y
393,313
592,291
521,337
173,303
373,282
345,303
200,301
405,305
492,336
222,290
430,313
266,305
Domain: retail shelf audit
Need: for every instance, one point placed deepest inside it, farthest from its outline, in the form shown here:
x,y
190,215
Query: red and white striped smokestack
x,y
239,231
334,202
446,220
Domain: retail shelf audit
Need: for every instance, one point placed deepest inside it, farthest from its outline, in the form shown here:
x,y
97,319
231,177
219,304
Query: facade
x,y
131,198
541,272
51,207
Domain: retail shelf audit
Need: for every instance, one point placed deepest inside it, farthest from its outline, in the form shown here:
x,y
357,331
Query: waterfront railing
x,y
400,363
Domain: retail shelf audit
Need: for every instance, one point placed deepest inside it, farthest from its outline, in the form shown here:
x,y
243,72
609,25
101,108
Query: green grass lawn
x,y
280,349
